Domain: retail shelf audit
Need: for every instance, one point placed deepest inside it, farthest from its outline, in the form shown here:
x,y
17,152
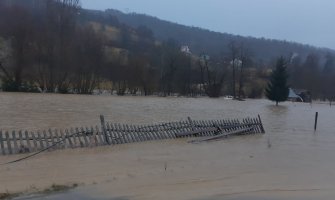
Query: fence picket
x,y
74,138
78,135
35,147
28,141
172,133
168,133
23,143
261,124
69,138
96,137
89,136
141,133
51,139
201,126
16,148
255,125
57,140
124,134
134,132
100,136
149,133
158,130
252,125
93,139
63,138
117,138
84,136
116,134
9,147
195,127
258,125
152,130
46,140
130,131
109,134
2,143
39,136
21,147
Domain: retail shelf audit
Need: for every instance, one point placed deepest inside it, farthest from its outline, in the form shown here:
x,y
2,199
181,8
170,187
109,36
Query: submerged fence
x,y
114,134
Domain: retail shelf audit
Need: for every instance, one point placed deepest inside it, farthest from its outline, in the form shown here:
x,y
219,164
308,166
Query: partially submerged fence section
x,y
114,134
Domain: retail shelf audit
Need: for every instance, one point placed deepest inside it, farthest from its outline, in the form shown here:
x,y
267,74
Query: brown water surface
x,y
289,162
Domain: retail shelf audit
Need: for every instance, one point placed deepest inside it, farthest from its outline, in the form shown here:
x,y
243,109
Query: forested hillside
x,y
56,46
213,43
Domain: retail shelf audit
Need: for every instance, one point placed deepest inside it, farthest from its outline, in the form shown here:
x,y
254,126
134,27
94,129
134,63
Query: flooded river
x,y
290,161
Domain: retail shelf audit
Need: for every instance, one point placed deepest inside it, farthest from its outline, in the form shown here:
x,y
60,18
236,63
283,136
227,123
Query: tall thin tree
x,y
278,89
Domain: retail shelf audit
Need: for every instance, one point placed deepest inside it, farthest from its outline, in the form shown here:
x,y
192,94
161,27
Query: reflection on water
x,y
279,110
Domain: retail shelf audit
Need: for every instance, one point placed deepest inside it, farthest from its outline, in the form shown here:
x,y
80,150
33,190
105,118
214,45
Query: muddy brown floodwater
x,y
289,162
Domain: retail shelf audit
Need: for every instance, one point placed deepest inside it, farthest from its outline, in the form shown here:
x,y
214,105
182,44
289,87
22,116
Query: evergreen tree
x,y
278,89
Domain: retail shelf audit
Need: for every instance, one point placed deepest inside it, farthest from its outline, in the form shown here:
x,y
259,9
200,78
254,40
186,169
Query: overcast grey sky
x,y
305,21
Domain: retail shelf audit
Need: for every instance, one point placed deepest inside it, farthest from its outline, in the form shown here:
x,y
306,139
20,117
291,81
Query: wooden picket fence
x,y
114,134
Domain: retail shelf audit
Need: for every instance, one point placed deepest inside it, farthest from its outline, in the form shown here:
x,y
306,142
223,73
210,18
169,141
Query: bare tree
x,y
212,73
20,33
234,55
61,27
245,62
5,52
170,54
88,61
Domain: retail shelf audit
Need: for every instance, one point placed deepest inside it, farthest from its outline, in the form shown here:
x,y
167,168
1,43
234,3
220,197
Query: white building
x,y
185,49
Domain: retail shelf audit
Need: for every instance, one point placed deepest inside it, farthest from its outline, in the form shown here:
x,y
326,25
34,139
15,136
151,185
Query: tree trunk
x,y
234,80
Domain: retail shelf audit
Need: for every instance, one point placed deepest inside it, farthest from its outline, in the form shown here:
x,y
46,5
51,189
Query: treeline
x,y
47,49
314,75
49,46
55,46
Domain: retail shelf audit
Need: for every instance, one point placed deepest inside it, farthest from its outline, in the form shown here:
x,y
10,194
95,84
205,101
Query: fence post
x,y
103,128
316,120
261,124
191,123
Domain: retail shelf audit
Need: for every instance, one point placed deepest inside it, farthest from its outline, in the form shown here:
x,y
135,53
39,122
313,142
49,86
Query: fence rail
x,y
113,134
